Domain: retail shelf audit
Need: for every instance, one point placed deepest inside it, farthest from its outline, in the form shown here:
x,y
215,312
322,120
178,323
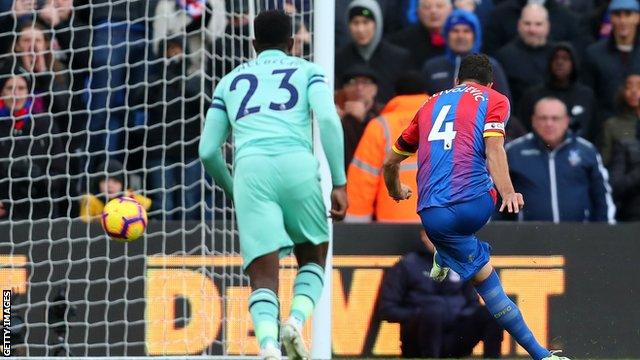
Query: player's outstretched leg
x,y
507,313
307,289
264,305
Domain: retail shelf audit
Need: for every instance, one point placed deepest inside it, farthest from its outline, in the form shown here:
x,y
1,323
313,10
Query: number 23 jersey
x,y
448,133
267,103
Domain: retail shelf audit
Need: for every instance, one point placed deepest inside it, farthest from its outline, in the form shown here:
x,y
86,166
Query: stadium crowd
x,y
92,90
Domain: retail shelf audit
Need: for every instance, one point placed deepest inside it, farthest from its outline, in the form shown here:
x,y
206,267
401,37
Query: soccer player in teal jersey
x,y
266,103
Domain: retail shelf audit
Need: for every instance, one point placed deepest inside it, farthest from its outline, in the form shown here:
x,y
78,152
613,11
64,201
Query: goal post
x,y
116,92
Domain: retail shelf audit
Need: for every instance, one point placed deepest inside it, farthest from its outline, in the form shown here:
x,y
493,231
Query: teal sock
x,y
265,308
307,289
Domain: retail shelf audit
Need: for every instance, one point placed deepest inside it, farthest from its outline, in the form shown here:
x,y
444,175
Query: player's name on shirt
x,y
270,61
478,94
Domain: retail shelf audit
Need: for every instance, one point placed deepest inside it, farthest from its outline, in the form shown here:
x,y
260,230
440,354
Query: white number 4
x,y
448,134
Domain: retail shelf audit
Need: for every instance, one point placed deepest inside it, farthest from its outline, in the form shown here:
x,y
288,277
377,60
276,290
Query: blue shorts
x,y
452,231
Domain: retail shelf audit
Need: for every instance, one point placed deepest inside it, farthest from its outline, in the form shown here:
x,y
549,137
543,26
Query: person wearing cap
x,y
367,47
356,104
609,61
463,34
107,185
32,159
366,191
424,40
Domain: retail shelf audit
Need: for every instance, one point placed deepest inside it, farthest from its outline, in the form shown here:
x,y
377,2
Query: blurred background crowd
x,y
101,98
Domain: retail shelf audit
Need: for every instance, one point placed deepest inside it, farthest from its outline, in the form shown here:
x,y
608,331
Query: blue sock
x,y
508,316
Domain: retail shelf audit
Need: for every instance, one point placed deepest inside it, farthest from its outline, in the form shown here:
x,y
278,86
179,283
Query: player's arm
x,y
499,171
215,133
405,146
498,112
332,138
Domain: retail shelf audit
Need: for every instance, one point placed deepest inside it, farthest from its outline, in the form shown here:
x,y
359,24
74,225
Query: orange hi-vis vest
x,y
368,197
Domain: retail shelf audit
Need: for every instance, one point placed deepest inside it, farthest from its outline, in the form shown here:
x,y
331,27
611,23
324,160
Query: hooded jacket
x,y
579,98
387,60
568,183
442,70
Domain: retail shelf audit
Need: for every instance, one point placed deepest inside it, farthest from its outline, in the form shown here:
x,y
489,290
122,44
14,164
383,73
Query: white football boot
x,y
553,356
291,335
270,352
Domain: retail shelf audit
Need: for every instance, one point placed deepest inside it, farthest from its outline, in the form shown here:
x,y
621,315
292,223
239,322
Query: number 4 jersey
x,y
448,133
267,101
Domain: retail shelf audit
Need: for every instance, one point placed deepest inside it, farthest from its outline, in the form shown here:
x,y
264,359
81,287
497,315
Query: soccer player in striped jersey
x,y
459,136
266,104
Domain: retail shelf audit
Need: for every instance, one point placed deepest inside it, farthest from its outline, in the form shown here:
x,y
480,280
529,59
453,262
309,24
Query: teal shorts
x,y
278,202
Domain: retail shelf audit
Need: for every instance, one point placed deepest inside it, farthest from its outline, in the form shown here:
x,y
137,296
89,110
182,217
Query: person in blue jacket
x,y
463,33
560,174
437,319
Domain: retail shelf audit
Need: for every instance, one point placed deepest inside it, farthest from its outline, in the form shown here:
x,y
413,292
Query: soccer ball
x,y
124,219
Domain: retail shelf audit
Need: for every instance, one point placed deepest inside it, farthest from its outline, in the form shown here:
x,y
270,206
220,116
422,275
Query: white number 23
x,y
448,134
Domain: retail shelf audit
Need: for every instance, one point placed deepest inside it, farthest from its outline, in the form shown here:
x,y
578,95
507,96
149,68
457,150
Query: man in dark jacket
x,y
505,17
463,34
560,175
609,61
562,82
368,48
437,319
424,40
530,47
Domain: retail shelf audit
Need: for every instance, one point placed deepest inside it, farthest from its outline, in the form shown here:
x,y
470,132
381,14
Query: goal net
x,y
107,98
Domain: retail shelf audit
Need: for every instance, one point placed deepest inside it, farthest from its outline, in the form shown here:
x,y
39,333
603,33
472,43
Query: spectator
x,y
356,103
70,33
202,20
107,186
424,40
625,177
173,120
34,54
119,62
609,60
368,48
564,25
437,319
463,34
234,47
368,197
560,175
622,128
32,157
530,47
562,82
482,8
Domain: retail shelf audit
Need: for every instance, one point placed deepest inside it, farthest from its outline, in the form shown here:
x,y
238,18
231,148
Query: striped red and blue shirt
x,y
448,133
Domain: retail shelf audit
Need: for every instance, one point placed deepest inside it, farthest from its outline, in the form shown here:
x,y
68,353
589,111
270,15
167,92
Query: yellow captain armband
x,y
492,134
400,152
